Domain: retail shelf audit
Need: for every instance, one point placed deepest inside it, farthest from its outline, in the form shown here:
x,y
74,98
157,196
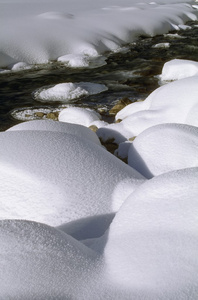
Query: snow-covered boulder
x,y
164,148
175,102
150,249
67,92
40,262
79,115
55,177
49,125
178,69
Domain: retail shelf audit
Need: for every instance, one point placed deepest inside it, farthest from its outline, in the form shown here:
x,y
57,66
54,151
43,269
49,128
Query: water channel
x,y
131,73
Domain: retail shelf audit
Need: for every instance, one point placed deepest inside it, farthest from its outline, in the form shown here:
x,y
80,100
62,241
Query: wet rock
x,y
120,105
110,145
132,138
52,116
93,128
39,114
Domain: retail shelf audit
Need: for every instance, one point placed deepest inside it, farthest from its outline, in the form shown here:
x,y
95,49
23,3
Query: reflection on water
x,y
129,74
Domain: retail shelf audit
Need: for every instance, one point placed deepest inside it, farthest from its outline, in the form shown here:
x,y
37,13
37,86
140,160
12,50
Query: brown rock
x,y
93,128
120,105
132,138
51,116
39,114
110,145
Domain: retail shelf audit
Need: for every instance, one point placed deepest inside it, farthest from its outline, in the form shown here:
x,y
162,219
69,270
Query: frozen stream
x,y
131,73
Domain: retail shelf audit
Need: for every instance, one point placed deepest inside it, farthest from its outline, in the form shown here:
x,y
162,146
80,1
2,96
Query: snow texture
x,y
56,177
38,261
150,249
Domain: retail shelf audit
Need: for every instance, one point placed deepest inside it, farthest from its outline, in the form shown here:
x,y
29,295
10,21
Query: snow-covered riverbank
x,y
34,32
77,222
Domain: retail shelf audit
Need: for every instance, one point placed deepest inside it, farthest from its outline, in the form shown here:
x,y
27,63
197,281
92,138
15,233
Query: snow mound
x,y
56,177
164,148
20,66
40,262
49,125
161,45
74,60
56,15
150,249
178,68
79,115
175,102
65,92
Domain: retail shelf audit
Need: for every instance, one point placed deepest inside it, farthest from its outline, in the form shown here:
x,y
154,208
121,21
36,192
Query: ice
x,y
178,68
55,177
66,92
150,249
36,32
168,147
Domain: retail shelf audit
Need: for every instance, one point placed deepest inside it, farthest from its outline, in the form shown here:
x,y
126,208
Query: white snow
x,y
38,261
36,32
162,45
66,92
164,148
122,231
172,103
151,247
55,177
79,115
49,125
178,69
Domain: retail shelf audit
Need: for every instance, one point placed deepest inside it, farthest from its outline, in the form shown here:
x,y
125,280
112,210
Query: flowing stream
x,y
131,73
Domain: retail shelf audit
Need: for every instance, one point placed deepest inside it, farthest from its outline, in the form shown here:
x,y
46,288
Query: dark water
x,y
131,74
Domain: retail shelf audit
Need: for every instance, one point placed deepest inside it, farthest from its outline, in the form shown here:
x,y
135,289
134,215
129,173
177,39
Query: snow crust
x,y
36,32
66,92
